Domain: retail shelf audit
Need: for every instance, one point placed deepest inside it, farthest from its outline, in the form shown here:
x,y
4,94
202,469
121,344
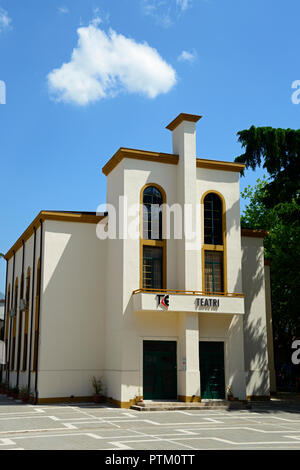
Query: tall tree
x,y
282,247
278,151
274,204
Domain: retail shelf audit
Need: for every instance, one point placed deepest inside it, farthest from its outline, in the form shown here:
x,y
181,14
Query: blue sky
x,y
85,77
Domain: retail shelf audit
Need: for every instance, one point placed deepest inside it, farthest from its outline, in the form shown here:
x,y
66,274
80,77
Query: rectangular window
x,y
152,267
25,341
214,271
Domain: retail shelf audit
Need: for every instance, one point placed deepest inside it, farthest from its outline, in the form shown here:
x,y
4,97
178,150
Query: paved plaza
x,y
101,427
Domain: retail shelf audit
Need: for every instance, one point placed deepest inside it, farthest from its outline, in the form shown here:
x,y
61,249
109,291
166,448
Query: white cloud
x,y
183,4
5,21
186,56
103,64
159,10
165,12
63,10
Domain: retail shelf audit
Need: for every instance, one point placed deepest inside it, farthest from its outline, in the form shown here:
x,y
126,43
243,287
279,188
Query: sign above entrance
x,y
207,302
163,301
176,302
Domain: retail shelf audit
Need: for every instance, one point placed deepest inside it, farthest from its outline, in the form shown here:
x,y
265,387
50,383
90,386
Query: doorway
x,y
212,370
159,370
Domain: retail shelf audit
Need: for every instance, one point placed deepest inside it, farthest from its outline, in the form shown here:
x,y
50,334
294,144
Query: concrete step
x,y
179,406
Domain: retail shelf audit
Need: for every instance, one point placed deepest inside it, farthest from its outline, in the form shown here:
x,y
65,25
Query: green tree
x,y
278,151
282,247
274,204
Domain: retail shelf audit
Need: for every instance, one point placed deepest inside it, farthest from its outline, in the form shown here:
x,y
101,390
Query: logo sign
x,y
163,301
206,302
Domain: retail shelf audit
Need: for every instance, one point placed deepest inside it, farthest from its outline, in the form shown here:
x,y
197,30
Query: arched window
x,y
7,323
14,326
152,216
213,230
37,306
25,338
214,246
20,325
153,246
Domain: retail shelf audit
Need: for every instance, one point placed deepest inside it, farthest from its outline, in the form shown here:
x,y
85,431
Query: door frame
x,y
141,348
215,339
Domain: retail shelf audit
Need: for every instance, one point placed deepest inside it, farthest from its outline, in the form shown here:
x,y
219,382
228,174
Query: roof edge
x,y
254,233
62,216
182,117
137,154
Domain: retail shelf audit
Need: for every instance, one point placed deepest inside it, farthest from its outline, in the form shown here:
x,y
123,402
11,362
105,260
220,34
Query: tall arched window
x,y
7,323
25,338
153,246
213,230
214,250
20,325
14,327
37,306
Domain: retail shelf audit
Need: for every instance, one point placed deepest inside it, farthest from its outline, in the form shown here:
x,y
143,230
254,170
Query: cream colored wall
x,y
184,271
114,292
28,262
227,184
72,309
270,330
228,329
124,329
1,312
255,328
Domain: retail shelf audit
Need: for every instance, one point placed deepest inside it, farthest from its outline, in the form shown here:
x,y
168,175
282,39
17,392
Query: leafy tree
x,y
282,247
274,204
278,151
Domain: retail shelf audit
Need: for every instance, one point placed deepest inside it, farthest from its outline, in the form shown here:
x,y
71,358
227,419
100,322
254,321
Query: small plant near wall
x,y
31,397
229,392
98,389
139,397
24,394
15,392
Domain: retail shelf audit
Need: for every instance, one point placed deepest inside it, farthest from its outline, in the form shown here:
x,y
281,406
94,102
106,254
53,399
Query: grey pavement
x,y
101,427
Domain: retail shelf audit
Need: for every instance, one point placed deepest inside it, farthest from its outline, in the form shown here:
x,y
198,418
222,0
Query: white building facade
x,y
164,296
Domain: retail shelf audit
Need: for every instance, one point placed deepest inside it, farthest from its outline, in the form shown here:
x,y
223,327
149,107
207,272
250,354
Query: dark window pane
x,y
213,271
152,267
213,233
152,216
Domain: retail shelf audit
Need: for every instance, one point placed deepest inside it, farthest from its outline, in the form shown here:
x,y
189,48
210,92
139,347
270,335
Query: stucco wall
x,y
255,327
72,309
22,378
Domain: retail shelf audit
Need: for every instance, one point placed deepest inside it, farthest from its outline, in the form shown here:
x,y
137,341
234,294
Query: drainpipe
x,y
20,316
10,321
39,312
5,312
32,307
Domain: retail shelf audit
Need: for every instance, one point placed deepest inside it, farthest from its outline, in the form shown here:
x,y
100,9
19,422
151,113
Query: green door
x,y
211,360
159,370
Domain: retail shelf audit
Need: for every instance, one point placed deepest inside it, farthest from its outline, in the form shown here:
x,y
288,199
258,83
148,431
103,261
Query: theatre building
x,y
123,295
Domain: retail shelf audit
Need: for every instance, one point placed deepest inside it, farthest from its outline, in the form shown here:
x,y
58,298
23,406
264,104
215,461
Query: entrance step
x,y
179,406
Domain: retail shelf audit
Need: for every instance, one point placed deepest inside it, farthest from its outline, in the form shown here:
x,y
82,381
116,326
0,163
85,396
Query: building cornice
x,y
136,154
254,233
219,165
182,117
168,158
79,217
